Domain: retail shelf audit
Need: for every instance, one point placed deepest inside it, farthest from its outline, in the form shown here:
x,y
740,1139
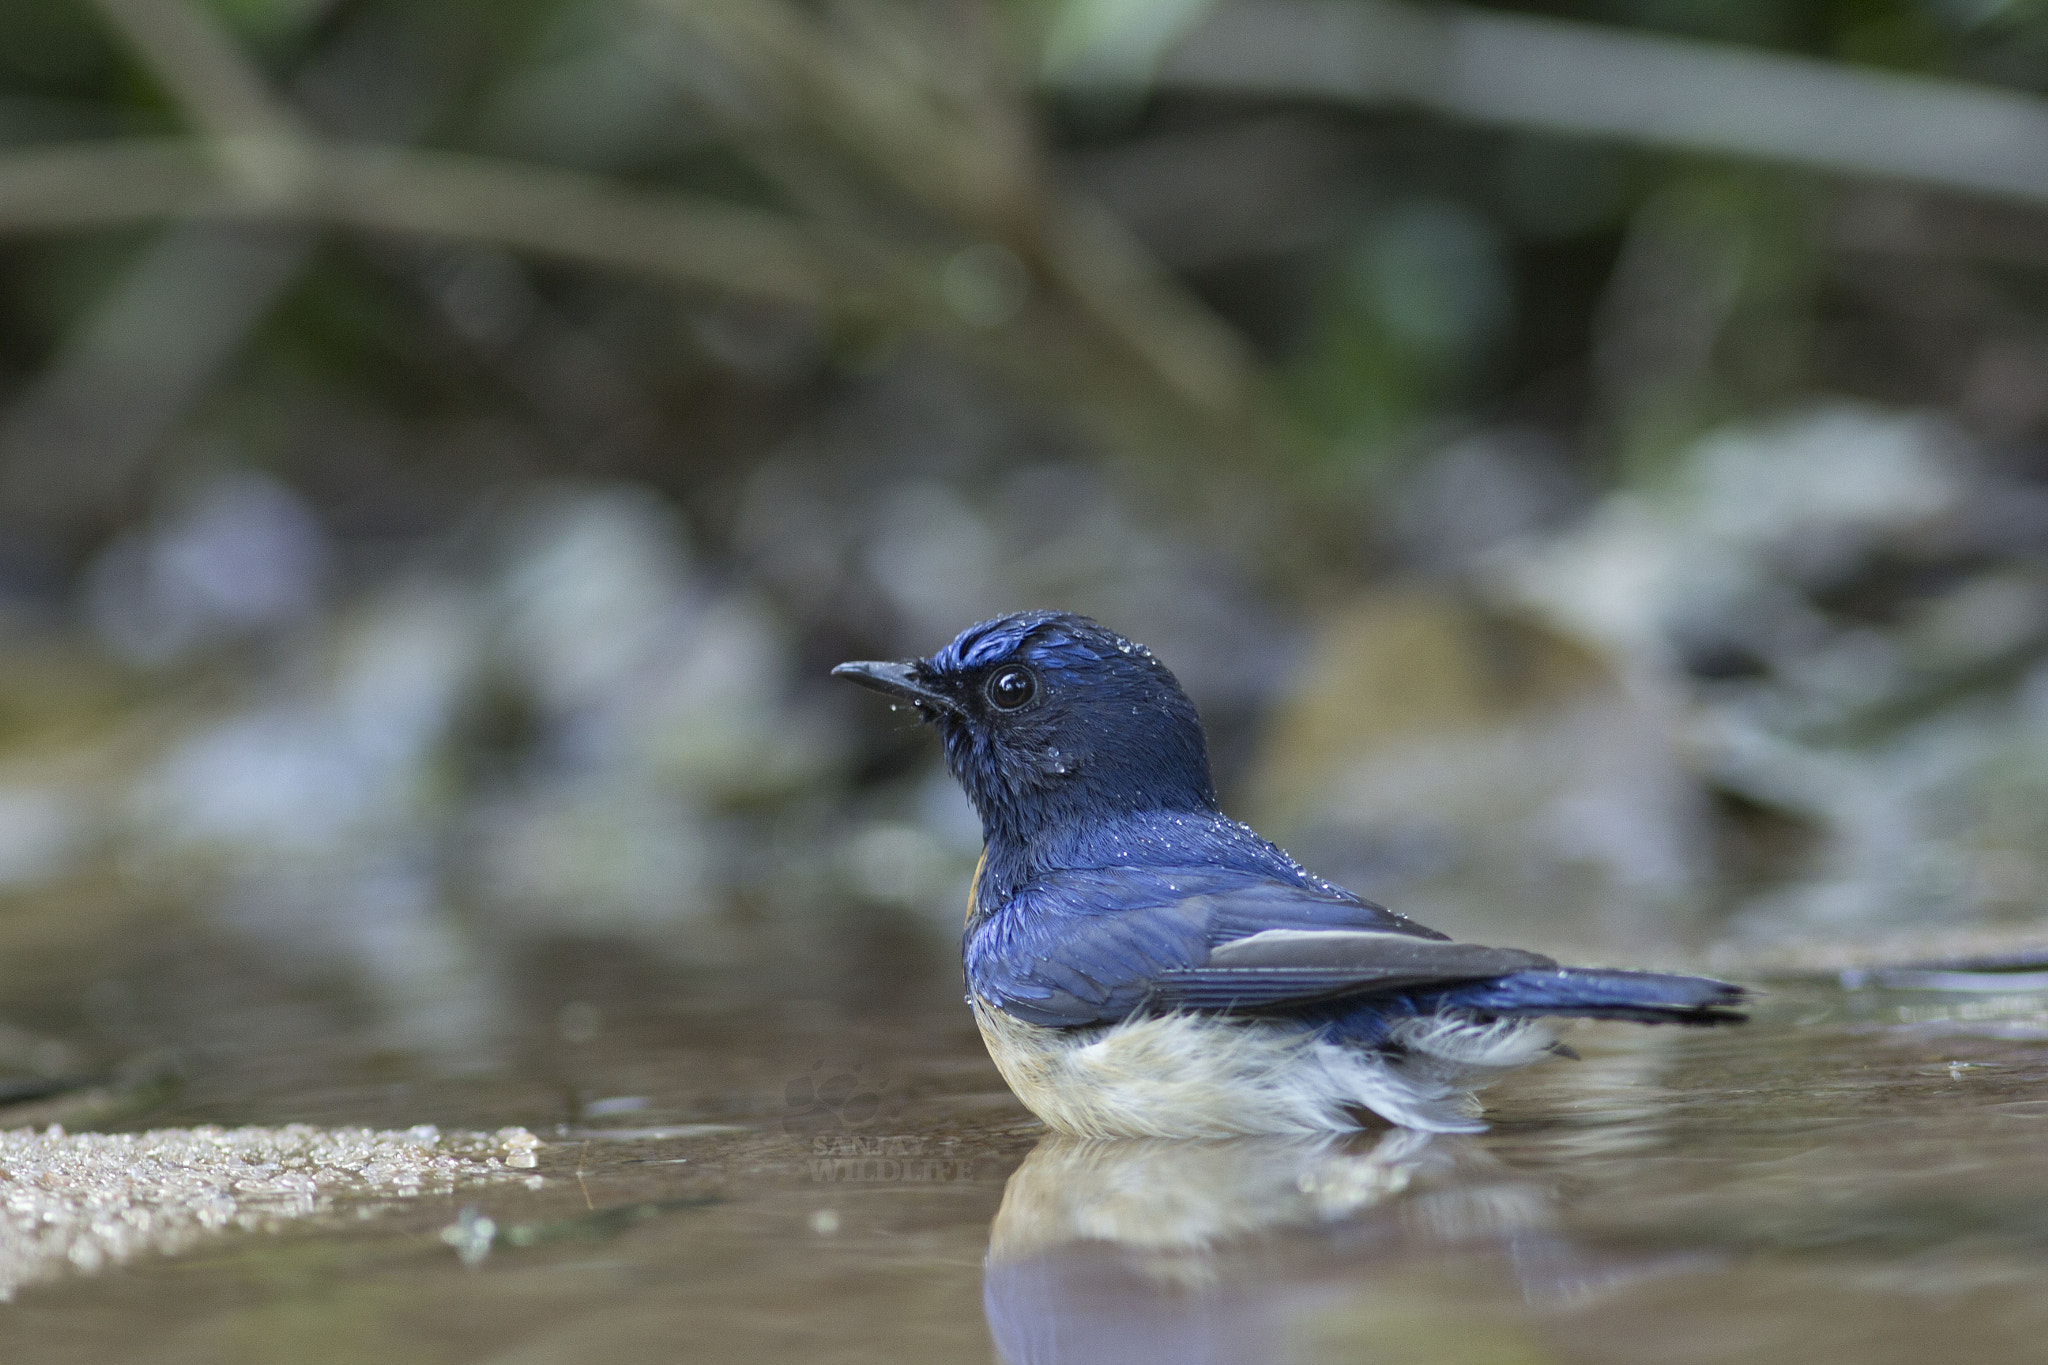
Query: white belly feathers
x,y
1206,1076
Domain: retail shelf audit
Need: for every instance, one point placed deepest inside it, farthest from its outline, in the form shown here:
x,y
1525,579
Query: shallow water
x,y
1855,1176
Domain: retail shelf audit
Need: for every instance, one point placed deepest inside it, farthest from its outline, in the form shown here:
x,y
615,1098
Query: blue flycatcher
x,y
1141,965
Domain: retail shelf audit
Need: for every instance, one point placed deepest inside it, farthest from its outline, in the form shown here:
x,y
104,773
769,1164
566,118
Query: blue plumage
x,y
1113,891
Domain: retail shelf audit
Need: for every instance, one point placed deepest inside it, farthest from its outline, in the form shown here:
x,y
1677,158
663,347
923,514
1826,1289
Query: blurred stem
x,y
923,114
200,64
390,189
136,361
1587,80
688,240
923,105
1134,297
903,138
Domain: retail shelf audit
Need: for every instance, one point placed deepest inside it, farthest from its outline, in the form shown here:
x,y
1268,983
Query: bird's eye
x,y
1011,688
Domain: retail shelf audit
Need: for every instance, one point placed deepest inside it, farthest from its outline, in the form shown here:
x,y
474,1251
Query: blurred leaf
x,y
1115,42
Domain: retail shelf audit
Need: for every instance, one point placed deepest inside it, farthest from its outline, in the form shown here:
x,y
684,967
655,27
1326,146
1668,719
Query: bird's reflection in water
x,y
1114,1251
1200,1253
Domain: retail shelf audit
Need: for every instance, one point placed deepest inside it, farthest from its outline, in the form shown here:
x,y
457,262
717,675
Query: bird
x,y
1139,964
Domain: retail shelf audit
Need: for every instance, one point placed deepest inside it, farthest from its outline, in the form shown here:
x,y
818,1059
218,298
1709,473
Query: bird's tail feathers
x,y
1601,993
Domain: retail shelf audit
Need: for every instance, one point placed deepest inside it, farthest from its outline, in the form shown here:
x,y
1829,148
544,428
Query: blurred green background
x,y
1586,461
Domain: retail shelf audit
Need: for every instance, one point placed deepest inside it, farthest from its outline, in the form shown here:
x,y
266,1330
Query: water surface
x,y
1855,1176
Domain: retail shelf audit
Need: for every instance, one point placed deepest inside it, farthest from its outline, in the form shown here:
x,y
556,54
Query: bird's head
x,y
1048,718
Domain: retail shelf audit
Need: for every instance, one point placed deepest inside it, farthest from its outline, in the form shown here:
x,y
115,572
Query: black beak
x,y
899,682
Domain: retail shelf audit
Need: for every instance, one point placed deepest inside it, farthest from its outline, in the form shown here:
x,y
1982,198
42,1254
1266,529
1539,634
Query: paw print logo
x,y
828,1098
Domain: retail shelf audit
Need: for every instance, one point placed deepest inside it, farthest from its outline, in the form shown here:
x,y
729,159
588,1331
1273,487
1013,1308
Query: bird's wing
x,y
1284,968
1055,955
1093,947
